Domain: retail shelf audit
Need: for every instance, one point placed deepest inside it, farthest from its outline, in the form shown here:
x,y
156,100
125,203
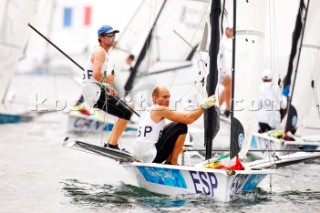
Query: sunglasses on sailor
x,y
110,35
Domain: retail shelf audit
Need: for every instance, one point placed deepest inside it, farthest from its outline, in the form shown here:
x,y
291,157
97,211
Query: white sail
x,y
177,32
180,23
280,27
134,34
131,40
14,37
250,38
281,38
308,69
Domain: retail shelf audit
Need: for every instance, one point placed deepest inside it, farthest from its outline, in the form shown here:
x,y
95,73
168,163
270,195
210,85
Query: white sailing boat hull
x,y
265,142
175,180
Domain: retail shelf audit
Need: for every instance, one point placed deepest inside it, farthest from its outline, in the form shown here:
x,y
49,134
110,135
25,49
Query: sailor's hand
x,y
208,102
112,92
106,86
110,79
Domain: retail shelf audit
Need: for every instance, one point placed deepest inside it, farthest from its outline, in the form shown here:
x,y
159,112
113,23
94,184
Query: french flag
x,y
77,16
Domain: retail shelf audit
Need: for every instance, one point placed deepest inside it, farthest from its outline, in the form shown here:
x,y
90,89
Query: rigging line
x,y
124,31
95,115
104,119
311,46
141,89
188,90
316,100
83,124
187,83
198,26
153,16
124,8
275,39
145,74
203,17
79,66
182,38
163,71
271,36
143,53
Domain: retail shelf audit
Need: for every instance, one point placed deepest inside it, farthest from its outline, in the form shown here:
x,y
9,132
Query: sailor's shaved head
x,y
161,96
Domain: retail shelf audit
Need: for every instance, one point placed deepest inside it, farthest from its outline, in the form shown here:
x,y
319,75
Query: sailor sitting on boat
x,y
157,142
270,101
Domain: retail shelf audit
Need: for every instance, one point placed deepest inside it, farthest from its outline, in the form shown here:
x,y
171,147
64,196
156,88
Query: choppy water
x,y
37,174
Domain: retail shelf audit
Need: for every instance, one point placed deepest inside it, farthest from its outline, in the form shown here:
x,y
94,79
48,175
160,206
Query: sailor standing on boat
x,y
96,78
268,115
157,142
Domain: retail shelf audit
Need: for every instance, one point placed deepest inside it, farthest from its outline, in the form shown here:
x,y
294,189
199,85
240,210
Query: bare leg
x,y
222,97
169,158
226,93
117,130
227,90
177,149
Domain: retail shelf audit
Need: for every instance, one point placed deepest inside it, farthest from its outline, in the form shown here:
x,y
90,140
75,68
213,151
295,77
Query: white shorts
x,y
144,151
91,93
223,73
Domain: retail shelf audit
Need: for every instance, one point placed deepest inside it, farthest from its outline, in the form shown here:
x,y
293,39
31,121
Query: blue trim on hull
x,y
6,118
108,127
253,182
163,176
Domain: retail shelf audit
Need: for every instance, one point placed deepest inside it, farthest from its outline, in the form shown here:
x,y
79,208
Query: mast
x,y
133,70
211,116
233,152
237,131
299,30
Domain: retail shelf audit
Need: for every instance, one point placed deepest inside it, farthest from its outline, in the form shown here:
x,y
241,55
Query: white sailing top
x,y
91,92
88,69
148,135
270,102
